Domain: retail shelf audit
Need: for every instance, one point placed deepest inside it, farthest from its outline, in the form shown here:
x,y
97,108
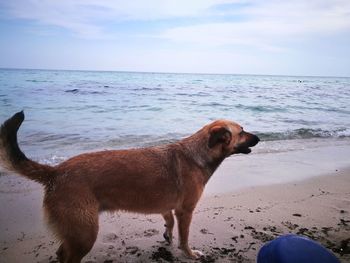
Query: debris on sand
x,y
164,254
297,215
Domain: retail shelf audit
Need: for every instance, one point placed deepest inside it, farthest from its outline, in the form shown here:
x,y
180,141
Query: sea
x,y
70,112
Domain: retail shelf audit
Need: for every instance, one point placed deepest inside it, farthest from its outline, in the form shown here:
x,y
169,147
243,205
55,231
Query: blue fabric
x,y
294,249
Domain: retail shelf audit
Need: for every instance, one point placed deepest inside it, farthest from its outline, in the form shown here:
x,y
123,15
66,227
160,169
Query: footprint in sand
x,y
131,250
109,238
150,232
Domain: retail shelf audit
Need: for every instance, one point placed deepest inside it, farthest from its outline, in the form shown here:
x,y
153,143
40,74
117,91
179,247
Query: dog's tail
x,y
14,160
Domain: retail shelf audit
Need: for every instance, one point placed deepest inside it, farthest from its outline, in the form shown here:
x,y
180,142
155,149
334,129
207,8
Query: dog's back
x,y
147,180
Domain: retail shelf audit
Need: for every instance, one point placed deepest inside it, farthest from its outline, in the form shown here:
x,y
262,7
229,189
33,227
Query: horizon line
x,y
168,72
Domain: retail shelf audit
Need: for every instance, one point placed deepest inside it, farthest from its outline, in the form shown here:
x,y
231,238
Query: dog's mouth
x,y
245,147
242,149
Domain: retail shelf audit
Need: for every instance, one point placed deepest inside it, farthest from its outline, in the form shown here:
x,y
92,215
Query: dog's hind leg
x,y
169,225
75,223
79,241
184,218
60,254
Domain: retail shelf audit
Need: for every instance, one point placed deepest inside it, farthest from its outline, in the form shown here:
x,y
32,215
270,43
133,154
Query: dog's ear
x,y
219,134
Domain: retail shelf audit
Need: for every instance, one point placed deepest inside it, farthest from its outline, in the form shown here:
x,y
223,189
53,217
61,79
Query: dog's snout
x,y
255,140
252,139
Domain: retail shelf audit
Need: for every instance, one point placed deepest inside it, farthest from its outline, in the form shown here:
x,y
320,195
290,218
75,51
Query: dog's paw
x,y
193,254
197,254
168,237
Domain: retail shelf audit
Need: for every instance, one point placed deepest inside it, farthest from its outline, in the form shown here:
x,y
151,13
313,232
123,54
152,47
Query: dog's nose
x,y
255,140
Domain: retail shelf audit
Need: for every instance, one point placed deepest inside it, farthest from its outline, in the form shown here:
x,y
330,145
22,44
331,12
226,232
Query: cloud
x,y
87,17
264,24
269,25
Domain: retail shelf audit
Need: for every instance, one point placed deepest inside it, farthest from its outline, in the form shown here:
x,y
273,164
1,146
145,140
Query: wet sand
x,y
228,227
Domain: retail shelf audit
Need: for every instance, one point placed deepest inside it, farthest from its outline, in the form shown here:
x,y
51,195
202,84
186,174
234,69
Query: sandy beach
x,y
306,192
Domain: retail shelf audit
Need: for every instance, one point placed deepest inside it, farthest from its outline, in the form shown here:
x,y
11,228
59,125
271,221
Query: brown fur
x,y
149,180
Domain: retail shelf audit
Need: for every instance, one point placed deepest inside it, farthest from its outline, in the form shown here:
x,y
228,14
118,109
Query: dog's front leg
x,y
184,220
169,225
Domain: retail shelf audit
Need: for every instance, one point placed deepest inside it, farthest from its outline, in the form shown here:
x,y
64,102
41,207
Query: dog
x,y
159,179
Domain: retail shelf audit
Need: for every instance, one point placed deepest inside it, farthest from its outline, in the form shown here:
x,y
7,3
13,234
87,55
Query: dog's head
x,y
230,138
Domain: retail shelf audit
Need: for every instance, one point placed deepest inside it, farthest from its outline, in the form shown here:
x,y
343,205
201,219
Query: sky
x,y
191,36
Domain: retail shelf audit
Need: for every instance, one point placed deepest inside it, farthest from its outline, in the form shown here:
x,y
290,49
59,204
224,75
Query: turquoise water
x,y
74,111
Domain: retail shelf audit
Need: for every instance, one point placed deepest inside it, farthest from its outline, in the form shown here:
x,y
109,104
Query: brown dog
x,y
150,180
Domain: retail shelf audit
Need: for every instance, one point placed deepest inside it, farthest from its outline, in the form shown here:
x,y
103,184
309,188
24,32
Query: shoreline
x,y
312,198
